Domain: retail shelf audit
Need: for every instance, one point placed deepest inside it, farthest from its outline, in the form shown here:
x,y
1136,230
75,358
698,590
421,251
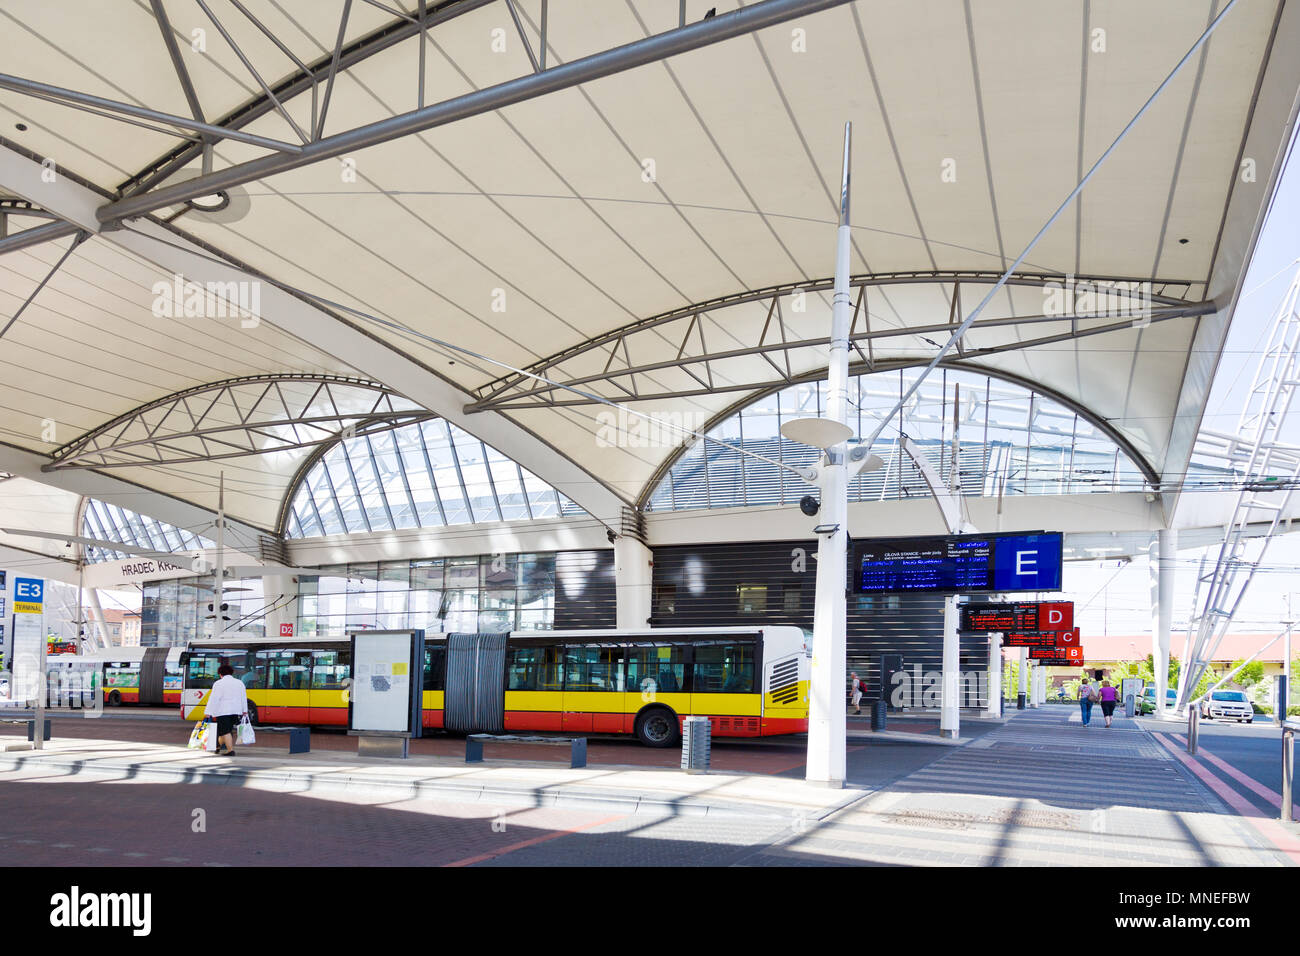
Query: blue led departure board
x,y
959,564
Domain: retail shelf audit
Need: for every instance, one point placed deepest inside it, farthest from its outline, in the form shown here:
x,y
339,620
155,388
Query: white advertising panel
x,y
381,682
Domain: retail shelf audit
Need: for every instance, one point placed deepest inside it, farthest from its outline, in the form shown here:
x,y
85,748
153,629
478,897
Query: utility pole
x,y
827,715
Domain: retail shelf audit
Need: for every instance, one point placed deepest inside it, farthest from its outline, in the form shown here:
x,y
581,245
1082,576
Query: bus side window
x,y
330,668
242,662
534,667
588,667
661,667
201,671
262,665
522,668
724,669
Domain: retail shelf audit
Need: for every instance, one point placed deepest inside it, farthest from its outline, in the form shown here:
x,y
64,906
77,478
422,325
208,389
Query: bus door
x,y
534,686
288,686
656,674
593,688
474,701
327,701
200,673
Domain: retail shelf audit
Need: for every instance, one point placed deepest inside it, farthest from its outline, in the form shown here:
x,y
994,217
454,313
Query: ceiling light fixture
x,y
212,202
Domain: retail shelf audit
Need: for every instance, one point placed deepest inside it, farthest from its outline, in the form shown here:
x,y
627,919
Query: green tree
x,y
1250,674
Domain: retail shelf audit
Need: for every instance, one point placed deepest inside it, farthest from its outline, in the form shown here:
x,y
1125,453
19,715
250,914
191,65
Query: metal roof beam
x,y
565,76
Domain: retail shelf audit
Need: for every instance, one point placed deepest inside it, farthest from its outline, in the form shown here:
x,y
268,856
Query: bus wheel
x,y
114,698
656,727
252,713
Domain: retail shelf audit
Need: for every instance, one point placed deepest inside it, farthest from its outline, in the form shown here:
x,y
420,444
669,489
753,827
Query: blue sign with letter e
x,y
1027,562
29,590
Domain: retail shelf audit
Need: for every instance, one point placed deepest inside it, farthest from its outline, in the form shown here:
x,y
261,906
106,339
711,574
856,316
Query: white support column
x,y
280,594
1164,554
1033,684
97,615
1023,671
950,712
633,573
993,708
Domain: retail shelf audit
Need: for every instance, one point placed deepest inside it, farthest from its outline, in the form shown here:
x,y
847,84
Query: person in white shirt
x,y
857,688
226,704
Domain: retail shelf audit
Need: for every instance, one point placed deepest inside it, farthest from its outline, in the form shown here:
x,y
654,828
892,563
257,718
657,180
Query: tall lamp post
x,y
827,713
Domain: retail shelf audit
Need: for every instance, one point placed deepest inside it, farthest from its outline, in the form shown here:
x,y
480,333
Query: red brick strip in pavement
x,y
470,861
1250,783
1270,829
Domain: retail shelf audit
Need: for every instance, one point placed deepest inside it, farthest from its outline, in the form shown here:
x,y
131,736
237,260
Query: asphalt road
x,y
1236,753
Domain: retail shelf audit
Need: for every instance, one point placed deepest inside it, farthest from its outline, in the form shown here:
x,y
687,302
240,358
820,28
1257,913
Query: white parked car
x,y
1228,704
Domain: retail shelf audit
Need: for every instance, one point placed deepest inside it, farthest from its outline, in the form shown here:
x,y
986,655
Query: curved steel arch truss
x,y
253,415
861,368
1122,300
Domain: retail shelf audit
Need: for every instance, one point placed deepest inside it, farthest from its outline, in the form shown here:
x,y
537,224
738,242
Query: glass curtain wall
x,y
1006,440
426,475
486,593
111,523
173,613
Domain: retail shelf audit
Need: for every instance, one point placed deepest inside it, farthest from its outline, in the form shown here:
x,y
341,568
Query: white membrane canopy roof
x,y
661,236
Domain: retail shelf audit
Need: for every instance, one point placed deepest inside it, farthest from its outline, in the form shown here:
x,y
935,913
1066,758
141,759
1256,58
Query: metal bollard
x,y
696,743
1288,772
1193,728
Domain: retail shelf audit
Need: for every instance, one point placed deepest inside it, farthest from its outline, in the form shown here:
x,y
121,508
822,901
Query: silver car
x,y
1228,705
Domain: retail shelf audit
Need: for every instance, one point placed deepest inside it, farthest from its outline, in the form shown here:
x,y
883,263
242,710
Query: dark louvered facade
x,y
585,595
774,582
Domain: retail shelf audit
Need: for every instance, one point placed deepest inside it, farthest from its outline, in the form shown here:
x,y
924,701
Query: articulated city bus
x,y
750,682
127,675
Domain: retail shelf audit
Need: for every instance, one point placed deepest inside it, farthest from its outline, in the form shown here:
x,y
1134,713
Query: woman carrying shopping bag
x,y
226,704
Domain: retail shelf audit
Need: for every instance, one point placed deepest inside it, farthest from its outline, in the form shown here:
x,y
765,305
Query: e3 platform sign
x,y
29,595
959,564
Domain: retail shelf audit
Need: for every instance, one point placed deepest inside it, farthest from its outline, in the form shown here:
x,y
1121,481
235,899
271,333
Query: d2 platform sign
x,y
29,595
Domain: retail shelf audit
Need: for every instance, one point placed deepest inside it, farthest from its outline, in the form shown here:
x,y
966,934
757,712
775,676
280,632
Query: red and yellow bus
x,y
127,675
750,682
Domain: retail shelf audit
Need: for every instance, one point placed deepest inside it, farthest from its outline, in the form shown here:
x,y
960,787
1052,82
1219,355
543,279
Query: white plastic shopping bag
x,y
246,735
204,736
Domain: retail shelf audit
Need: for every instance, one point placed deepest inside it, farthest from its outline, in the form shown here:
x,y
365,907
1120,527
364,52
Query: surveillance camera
x,y
809,505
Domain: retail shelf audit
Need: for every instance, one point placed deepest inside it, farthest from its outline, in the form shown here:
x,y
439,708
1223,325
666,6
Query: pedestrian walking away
x,y
1108,697
858,688
1087,694
226,704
